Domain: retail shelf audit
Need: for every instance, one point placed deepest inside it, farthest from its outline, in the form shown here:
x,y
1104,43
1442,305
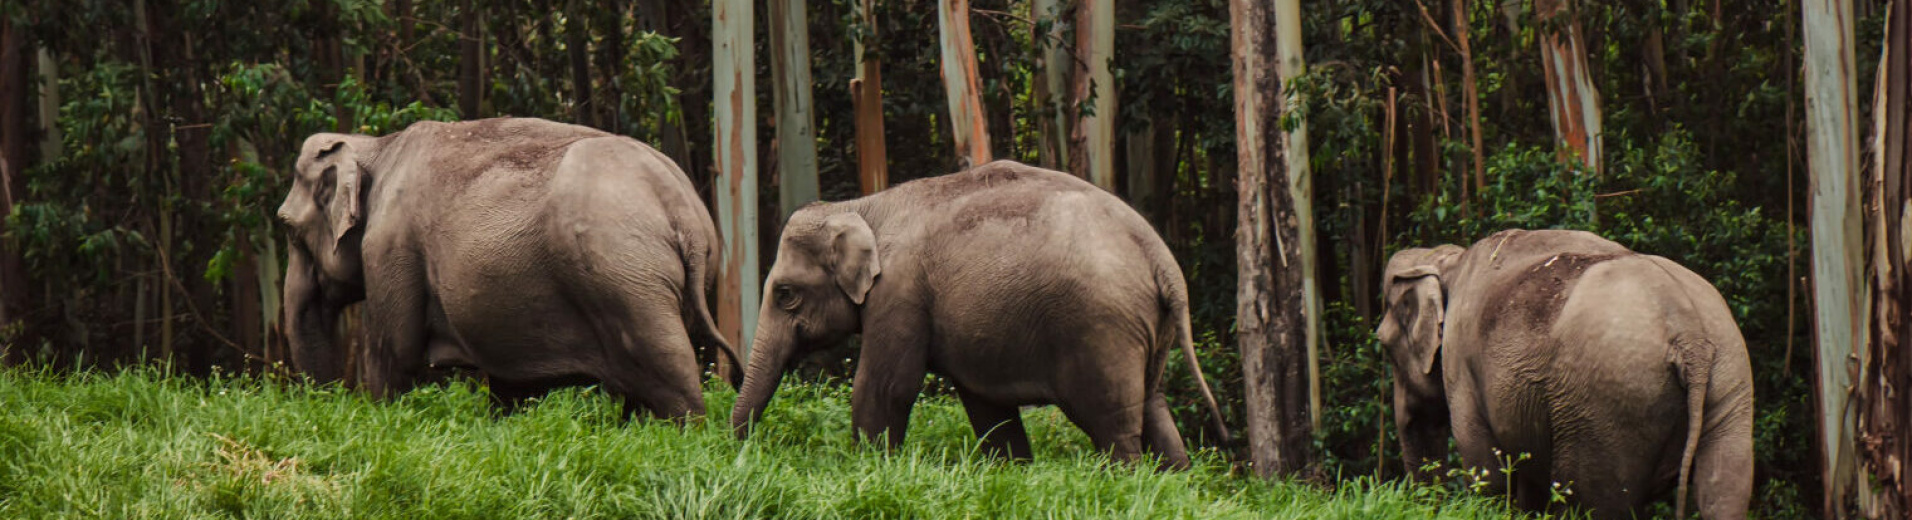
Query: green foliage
x,y
1357,434
140,444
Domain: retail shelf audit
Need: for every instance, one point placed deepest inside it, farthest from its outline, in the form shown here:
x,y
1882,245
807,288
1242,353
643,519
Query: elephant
x,y
537,253
1021,286
1621,375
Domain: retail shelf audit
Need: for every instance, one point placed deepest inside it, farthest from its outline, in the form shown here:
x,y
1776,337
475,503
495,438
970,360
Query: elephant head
x,y
326,213
826,264
1411,330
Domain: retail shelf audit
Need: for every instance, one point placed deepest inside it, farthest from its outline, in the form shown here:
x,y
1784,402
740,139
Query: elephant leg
x,y
889,375
1113,429
1723,469
998,427
658,372
1474,438
1159,435
395,331
1107,400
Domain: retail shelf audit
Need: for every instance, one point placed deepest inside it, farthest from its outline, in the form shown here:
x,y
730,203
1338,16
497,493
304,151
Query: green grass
x,y
138,444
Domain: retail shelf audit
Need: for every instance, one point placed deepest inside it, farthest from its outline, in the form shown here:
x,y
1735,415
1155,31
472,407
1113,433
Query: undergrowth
x,y
141,444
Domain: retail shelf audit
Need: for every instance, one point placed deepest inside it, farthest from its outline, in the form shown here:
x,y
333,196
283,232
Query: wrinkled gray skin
x,y
536,252
1022,286
1622,375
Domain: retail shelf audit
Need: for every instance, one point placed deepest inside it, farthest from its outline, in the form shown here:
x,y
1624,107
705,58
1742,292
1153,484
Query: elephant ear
x,y
345,180
852,253
1430,314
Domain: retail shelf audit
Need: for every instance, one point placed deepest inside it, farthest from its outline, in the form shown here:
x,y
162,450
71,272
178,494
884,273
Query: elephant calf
x,y
1021,285
1621,375
536,252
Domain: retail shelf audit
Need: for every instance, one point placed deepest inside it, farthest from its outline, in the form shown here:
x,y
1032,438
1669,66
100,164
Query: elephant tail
x,y
1184,335
698,321
1693,361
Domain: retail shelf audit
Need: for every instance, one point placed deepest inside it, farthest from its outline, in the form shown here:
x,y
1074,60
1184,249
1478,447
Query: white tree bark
x,y
1838,261
735,95
1093,135
796,119
1288,66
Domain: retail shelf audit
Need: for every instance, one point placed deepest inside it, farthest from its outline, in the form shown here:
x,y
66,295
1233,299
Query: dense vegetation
x,y
142,215
140,444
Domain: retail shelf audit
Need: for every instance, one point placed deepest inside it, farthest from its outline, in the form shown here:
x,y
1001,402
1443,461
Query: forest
x,y
1283,149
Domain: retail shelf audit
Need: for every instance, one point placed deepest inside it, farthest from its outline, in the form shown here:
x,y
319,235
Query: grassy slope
x,y
140,445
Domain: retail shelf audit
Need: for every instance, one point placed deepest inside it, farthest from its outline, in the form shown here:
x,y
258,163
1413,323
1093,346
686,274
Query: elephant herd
x,y
544,254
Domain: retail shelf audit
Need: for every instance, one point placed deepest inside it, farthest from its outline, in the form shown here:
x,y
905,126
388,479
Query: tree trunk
x,y
1885,410
1837,258
470,46
866,92
15,130
1418,123
51,140
1294,148
1270,320
1572,101
1141,162
968,124
734,98
1052,122
796,119
1471,89
577,44
1092,138
611,65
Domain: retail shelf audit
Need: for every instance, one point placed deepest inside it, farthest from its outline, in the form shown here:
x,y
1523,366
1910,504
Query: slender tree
x,y
577,46
470,49
734,93
1052,123
960,83
796,122
1471,89
15,127
1270,317
866,91
1294,149
1092,133
1832,155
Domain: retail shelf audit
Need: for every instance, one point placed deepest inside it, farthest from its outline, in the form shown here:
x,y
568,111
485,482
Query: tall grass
x,y
139,444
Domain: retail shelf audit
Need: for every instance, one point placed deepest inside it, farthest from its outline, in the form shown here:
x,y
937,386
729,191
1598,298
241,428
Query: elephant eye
x,y
322,192
787,297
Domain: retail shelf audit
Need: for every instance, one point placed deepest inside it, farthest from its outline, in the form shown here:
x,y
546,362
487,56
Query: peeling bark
x,y
1838,258
1885,433
1092,136
968,122
1572,101
866,93
796,118
734,93
1270,321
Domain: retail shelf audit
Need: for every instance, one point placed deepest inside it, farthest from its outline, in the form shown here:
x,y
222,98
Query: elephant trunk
x,y
767,357
310,320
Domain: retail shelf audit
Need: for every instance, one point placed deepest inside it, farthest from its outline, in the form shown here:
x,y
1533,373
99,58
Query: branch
x,y
1436,26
